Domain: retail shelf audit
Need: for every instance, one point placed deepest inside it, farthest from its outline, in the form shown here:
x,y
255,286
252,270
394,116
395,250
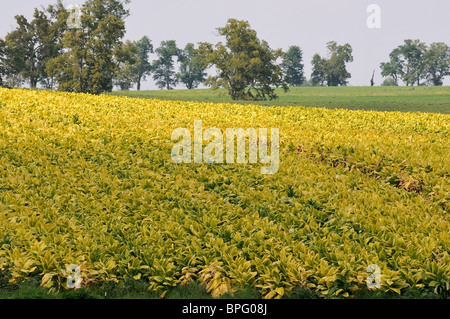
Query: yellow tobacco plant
x,y
89,180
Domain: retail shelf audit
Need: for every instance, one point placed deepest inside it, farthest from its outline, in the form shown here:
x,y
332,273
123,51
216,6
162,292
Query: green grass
x,y
403,99
138,289
130,289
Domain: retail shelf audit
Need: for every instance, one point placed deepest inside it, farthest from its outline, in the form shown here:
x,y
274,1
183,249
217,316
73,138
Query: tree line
x,y
92,57
414,62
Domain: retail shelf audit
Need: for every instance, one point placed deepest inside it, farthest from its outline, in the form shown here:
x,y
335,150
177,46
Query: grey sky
x,y
306,23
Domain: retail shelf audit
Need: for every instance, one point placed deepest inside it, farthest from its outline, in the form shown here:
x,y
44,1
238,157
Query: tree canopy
x,y
292,66
126,55
2,61
163,68
246,66
332,71
416,63
437,62
192,73
88,64
83,50
31,45
133,63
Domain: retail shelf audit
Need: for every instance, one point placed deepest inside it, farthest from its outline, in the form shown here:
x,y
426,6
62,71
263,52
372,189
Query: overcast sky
x,y
309,24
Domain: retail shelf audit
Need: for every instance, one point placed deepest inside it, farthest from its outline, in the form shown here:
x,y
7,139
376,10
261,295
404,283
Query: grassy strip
x,y
403,99
138,289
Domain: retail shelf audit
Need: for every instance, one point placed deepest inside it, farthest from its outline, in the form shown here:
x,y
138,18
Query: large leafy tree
x,y
407,61
318,77
437,62
333,70
192,73
163,68
336,71
246,65
413,54
21,50
88,63
2,61
30,46
393,68
127,60
132,58
143,65
292,66
53,40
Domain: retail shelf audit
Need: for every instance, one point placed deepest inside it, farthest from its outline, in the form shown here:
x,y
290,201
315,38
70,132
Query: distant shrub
x,y
389,82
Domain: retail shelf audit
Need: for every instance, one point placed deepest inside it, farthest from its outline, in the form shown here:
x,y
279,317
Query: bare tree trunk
x,y
33,83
